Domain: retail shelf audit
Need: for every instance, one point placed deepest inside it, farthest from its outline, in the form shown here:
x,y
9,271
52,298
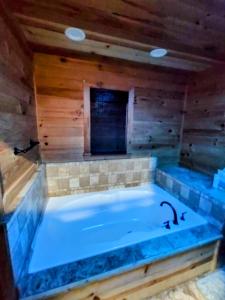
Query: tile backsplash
x,y
91,176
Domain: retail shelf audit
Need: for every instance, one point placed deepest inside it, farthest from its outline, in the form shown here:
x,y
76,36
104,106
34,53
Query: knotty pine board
x,y
166,25
203,144
60,81
17,110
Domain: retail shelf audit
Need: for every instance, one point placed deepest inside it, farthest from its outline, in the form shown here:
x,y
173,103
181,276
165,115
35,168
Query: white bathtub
x,y
76,227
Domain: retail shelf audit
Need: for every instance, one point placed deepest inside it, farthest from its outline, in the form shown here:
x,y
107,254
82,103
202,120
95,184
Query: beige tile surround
x,y
98,175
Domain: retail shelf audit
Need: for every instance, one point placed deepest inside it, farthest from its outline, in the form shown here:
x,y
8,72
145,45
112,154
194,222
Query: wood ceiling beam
x,y
42,33
27,22
158,30
12,24
40,36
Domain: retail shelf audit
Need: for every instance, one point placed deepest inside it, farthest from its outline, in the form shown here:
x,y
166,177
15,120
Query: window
x,y
108,109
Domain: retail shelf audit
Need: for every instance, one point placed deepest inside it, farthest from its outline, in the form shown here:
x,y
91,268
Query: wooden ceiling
x,y
193,31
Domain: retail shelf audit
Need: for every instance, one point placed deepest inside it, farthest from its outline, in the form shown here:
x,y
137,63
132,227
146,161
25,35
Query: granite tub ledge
x,y
59,279
195,180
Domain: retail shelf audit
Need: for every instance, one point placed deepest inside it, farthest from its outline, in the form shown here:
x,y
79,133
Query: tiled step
x,y
195,190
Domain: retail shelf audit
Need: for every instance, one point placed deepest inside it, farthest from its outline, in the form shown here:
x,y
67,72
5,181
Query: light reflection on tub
x,y
76,227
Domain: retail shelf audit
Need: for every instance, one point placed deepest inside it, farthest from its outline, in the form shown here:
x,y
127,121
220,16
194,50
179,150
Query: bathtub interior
x,y
79,226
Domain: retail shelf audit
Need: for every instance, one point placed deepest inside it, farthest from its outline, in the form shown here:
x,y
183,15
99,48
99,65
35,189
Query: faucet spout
x,y
175,219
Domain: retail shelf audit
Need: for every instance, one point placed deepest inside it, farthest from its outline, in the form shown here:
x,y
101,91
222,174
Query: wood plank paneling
x,y
17,125
192,32
203,145
156,122
60,85
43,37
148,280
17,108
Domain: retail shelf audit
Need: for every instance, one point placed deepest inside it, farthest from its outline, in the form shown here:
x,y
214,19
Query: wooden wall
x,y
60,81
17,109
203,145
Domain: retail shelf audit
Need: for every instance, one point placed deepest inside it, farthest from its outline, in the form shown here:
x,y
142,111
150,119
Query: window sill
x,y
89,157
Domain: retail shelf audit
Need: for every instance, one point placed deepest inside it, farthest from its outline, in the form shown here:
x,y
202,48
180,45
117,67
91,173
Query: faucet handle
x,y
167,224
182,216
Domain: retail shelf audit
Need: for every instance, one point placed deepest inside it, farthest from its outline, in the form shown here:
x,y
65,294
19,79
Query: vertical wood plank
x,y
87,121
183,114
215,256
130,116
8,289
203,144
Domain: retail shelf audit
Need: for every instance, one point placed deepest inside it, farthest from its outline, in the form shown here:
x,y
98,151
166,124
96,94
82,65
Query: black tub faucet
x,y
175,220
182,216
166,224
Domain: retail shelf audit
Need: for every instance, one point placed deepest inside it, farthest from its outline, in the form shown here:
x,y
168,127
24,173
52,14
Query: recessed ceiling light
x,y
75,34
158,52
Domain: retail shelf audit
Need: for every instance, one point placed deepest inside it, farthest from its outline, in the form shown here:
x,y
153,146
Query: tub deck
x,y
121,255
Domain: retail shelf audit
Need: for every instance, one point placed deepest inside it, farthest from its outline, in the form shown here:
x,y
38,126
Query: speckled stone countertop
x,y
57,279
196,180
